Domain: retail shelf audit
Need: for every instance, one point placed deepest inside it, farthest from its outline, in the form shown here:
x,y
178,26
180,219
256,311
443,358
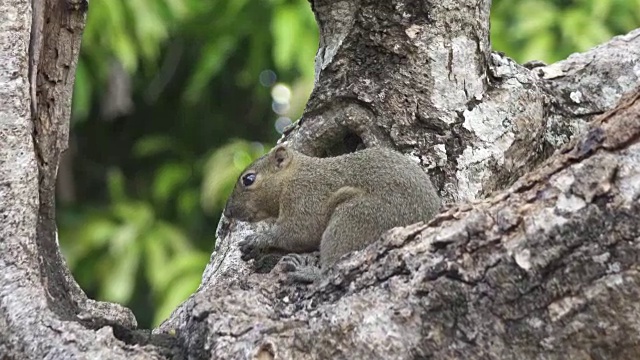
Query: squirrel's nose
x,y
228,212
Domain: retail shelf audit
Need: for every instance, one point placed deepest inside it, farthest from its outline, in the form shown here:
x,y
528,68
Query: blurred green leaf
x,y
223,168
94,233
179,292
82,94
123,239
601,9
213,58
138,214
168,179
176,8
174,239
534,26
157,257
152,25
189,262
188,202
180,278
307,48
285,28
119,285
153,145
538,48
559,27
116,185
125,51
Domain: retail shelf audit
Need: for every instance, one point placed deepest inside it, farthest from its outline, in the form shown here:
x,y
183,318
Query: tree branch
x,y
548,266
588,84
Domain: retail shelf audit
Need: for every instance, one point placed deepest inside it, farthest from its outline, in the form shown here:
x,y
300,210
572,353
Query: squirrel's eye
x,y
248,179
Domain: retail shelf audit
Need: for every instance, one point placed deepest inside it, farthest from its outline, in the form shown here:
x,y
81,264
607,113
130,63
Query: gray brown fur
x,y
337,205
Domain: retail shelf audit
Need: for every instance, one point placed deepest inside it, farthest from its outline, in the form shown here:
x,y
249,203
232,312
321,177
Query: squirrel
x,y
336,205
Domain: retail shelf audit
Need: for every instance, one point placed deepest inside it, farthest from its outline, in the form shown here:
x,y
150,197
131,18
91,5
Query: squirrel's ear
x,y
281,157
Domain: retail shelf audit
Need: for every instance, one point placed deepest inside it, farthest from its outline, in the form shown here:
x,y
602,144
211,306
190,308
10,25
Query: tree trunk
x,y
545,266
43,312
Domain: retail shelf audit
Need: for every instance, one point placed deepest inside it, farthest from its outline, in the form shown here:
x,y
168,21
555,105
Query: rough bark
x,y
547,268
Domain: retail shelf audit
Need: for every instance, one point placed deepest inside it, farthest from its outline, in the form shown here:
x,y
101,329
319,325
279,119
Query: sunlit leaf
x,y
285,27
138,214
124,239
96,233
307,47
120,284
308,39
148,25
177,9
125,51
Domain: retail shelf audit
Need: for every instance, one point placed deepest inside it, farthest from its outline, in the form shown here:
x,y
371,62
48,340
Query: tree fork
x,y
545,269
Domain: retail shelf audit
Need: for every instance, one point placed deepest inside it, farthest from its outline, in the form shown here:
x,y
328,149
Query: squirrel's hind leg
x,y
301,268
353,225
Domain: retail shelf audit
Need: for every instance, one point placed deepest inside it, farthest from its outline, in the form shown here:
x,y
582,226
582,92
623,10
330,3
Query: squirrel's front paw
x,y
250,247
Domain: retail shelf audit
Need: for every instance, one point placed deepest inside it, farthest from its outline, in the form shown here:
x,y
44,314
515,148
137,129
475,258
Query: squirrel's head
x,y
256,195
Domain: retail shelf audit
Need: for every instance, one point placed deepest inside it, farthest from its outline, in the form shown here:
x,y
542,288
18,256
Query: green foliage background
x,y
149,183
